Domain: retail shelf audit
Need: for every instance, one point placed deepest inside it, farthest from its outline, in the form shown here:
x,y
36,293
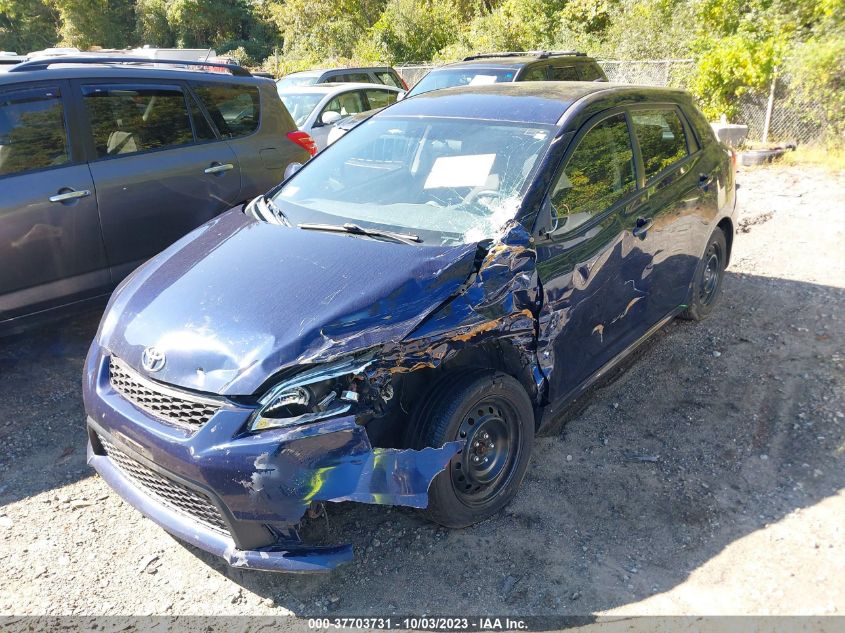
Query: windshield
x,y
293,81
447,78
300,105
449,181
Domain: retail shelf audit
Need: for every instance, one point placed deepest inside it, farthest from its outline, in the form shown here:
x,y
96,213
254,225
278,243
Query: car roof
x,y
541,102
333,88
513,61
118,71
314,72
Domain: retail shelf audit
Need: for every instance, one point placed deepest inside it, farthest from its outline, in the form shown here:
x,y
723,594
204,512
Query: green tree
x,y
27,25
105,23
151,25
201,23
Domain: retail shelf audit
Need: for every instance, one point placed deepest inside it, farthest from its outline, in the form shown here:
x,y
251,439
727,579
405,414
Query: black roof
x,y
542,102
516,59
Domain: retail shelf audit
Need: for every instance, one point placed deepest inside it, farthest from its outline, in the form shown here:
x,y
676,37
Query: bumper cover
x,y
262,484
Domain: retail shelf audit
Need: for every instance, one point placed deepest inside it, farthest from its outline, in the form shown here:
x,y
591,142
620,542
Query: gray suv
x,y
104,164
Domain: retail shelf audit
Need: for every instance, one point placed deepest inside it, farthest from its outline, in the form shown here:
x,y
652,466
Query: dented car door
x,y
591,264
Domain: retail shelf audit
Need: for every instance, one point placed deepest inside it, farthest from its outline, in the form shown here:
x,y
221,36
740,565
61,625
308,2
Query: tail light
x,y
304,140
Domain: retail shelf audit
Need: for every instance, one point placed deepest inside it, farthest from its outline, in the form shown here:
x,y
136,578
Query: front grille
x,y
177,408
181,498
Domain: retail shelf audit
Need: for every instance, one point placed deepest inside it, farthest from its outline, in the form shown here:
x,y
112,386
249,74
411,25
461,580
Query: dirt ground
x,y
706,478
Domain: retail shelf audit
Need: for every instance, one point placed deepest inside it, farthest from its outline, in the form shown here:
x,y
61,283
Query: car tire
x,y
493,415
709,274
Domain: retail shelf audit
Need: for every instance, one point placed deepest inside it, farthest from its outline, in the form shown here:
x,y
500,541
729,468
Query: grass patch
x,y
828,156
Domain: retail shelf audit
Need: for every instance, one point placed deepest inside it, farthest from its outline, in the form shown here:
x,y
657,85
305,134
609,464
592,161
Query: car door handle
x,y
69,195
704,181
217,168
643,225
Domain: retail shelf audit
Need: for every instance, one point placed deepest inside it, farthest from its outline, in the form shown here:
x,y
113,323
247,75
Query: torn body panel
x,y
256,488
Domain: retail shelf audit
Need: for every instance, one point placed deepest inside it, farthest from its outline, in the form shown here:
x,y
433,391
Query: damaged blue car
x,y
396,321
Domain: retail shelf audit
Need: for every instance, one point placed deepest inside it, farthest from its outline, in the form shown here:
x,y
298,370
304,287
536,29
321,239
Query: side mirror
x,y
291,169
330,117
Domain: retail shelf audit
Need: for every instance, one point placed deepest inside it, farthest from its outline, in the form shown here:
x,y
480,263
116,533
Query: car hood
x,y
238,299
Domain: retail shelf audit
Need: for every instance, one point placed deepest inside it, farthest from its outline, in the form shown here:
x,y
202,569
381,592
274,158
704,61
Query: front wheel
x,y
707,287
492,415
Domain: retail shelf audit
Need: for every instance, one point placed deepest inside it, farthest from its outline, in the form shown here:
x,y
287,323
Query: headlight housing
x,y
315,394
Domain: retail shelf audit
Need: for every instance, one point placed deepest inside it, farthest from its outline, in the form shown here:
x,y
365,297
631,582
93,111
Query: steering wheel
x,y
477,194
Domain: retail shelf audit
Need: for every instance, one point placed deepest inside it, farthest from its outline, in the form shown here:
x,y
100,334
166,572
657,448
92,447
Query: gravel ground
x,y
705,478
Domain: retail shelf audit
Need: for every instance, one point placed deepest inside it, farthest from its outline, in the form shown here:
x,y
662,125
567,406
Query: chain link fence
x,y
794,117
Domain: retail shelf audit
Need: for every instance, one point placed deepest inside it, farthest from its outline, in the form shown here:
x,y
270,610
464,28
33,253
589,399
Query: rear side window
x,y
599,173
590,72
380,98
349,77
564,73
662,139
126,119
389,79
234,108
538,73
32,131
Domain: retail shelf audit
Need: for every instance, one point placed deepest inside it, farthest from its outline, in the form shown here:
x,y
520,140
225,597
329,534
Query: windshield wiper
x,y
277,212
404,238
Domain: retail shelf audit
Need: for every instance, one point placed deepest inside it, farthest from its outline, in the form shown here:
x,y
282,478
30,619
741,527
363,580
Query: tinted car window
x,y
589,72
599,172
202,128
131,118
661,136
234,108
564,73
350,77
346,104
380,98
388,79
538,73
32,130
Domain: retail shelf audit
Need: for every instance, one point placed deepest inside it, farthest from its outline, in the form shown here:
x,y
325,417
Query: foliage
x,y
104,23
201,23
27,25
816,71
737,45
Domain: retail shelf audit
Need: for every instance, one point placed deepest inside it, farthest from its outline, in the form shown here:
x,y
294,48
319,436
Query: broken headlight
x,y
315,394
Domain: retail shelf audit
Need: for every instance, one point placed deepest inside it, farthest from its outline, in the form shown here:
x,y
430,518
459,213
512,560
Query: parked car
x,y
103,165
10,58
315,109
396,321
495,68
363,75
491,68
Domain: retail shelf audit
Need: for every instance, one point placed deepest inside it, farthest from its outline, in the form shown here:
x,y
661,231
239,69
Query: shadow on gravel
x,y
711,432
715,430
42,422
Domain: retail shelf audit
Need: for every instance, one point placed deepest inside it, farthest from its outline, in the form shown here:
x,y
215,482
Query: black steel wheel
x,y
492,415
710,273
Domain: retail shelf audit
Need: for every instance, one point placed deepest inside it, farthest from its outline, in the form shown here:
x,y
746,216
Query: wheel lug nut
x,y
476,458
491,445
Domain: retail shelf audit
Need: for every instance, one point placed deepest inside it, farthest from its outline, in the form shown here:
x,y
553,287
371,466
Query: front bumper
x,y
239,495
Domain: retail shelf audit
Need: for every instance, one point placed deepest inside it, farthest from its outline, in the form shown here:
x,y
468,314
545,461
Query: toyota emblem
x,y
153,359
